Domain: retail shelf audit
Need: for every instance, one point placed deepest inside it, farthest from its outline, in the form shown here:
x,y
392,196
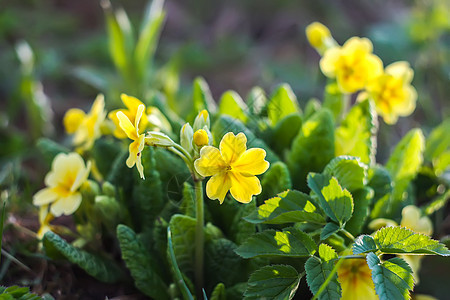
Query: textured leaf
x,y
404,164
226,124
104,152
361,201
290,242
276,180
285,131
50,149
16,292
282,103
356,136
287,207
240,230
231,104
312,148
141,264
328,230
349,171
101,268
202,96
335,201
392,279
327,253
183,239
219,292
120,175
187,206
317,271
273,282
364,244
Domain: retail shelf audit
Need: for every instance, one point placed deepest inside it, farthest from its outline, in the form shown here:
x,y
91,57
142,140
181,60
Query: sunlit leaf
x,y
282,103
231,104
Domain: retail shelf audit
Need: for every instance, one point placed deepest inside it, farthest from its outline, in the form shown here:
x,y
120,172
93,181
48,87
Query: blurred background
x,y
55,55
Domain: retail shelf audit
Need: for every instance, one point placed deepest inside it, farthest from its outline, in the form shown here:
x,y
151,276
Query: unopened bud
x,y
319,37
186,135
201,138
155,138
202,120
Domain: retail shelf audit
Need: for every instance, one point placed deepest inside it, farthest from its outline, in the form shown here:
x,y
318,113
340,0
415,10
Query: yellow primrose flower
x,y
319,37
132,131
45,217
233,168
68,173
201,138
353,65
392,92
356,280
130,113
86,127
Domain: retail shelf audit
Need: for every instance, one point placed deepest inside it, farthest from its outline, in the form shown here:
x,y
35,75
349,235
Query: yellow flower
x,y
68,173
201,138
130,113
233,168
319,37
356,280
353,65
86,127
392,92
45,217
132,131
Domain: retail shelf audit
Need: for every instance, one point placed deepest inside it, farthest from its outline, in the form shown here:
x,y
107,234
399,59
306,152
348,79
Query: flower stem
x,y
199,236
328,279
348,234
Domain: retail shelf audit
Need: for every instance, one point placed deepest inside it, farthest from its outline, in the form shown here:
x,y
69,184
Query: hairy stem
x,y
199,236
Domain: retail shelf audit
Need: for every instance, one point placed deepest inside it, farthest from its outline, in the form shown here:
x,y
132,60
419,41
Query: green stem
x,y
327,281
199,236
348,234
346,98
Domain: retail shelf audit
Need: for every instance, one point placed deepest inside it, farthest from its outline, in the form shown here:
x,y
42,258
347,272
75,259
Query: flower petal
x,y
244,187
126,125
72,119
82,176
66,206
44,197
251,162
329,60
231,146
65,168
210,162
217,186
118,132
132,103
139,113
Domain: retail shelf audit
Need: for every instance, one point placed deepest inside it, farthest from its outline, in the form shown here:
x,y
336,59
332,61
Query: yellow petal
x,y
412,219
44,197
139,113
317,33
210,162
231,146
139,166
218,186
98,106
82,176
72,119
132,103
118,132
251,162
66,206
65,168
244,187
126,125
329,60
374,67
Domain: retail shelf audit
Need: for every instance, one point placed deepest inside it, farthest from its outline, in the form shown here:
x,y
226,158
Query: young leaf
x,y
361,201
282,103
312,106
317,271
333,99
187,206
273,282
357,134
276,180
392,279
290,242
335,201
350,172
231,104
202,96
404,164
312,149
438,147
21,293
381,183
327,253
287,207
285,131
142,266
219,292
256,100
328,230
103,269
183,239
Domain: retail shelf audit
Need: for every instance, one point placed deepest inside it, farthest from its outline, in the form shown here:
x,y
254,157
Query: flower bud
x,y
108,189
186,135
201,138
108,208
158,139
202,120
319,37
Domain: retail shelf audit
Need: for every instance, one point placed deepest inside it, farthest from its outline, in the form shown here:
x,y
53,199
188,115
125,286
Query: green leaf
x,y
437,203
285,131
240,230
273,282
120,175
312,149
16,292
399,240
256,100
226,124
356,136
290,242
381,183
148,37
231,104
101,268
104,152
183,239
437,148
392,279
333,99
276,180
287,207
312,106
202,96
328,230
335,201
219,292
349,171
282,103
50,149
404,164
187,206
327,253
317,271
143,267
361,201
